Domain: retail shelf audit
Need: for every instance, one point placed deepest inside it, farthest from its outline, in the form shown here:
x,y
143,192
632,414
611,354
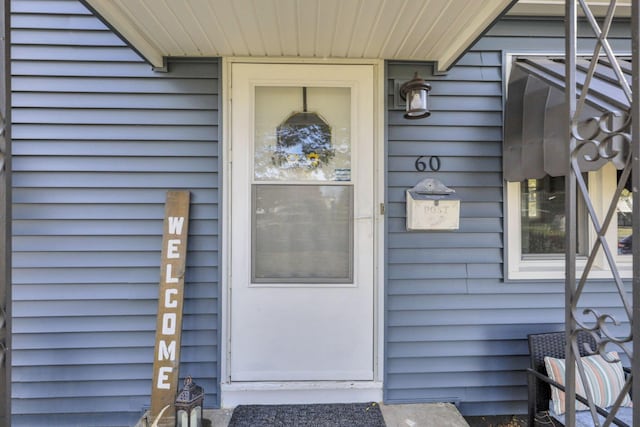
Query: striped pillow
x,y
605,380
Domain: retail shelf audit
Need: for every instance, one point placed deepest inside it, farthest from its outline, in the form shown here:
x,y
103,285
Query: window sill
x,y
554,270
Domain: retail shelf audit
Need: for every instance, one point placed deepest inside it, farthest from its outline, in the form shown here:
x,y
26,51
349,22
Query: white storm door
x,y
302,282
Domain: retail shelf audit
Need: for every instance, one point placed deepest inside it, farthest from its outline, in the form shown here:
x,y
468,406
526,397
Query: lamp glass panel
x,y
417,101
182,419
195,420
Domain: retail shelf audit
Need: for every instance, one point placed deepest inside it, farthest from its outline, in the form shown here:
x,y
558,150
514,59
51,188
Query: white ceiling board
x,y
307,14
287,25
425,30
556,8
267,12
344,30
367,19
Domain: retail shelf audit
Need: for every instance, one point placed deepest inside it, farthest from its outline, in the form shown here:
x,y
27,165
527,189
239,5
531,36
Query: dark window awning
x,y
536,129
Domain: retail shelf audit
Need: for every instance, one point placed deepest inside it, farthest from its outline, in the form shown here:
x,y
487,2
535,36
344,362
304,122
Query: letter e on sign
x,y
163,377
172,248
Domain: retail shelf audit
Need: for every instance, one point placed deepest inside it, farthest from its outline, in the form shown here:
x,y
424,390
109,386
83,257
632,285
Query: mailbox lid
x,y
425,196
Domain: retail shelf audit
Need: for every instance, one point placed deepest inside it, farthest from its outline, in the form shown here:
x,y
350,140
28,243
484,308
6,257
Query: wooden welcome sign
x,y
170,302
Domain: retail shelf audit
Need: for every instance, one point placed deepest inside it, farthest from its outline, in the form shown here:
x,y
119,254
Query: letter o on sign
x,y
168,323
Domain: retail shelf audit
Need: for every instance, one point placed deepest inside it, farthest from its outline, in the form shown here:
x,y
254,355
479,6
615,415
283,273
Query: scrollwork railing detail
x,y
606,138
603,137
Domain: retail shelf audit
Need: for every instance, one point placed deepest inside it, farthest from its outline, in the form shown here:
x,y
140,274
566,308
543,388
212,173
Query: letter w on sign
x,y
166,356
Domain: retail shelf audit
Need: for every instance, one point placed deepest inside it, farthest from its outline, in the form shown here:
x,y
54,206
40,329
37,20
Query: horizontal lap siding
x,y
455,331
98,140
435,349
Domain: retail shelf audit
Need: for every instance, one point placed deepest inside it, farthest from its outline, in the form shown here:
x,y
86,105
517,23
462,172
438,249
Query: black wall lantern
x,y
189,405
416,93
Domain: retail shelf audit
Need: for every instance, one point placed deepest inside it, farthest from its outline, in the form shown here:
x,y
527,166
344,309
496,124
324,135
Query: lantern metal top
x,y
416,89
416,82
192,394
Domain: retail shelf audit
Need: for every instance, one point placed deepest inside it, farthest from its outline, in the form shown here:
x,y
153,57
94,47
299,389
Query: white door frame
x,y
233,394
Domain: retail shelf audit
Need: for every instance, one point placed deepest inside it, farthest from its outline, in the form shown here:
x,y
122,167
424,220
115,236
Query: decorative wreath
x,y
304,140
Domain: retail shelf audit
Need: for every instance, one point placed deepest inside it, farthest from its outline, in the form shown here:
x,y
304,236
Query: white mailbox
x,y
432,206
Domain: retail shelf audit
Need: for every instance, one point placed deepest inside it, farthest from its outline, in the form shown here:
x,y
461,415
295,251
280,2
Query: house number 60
x,y
433,163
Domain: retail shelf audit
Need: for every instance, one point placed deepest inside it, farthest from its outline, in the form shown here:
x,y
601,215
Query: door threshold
x,y
302,392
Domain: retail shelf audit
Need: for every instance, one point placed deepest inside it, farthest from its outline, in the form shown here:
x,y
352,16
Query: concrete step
x,y
422,415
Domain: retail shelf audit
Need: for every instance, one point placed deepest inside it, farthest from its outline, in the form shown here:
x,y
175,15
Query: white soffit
x,y
425,30
556,8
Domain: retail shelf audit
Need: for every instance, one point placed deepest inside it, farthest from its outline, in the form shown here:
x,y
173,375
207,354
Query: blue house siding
x,y
437,348
455,330
98,139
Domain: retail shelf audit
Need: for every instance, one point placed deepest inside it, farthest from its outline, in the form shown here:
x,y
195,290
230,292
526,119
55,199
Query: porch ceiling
x,y
426,30
556,8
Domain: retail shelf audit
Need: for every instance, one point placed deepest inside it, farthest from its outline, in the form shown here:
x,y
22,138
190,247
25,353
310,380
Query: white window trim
x,y
602,184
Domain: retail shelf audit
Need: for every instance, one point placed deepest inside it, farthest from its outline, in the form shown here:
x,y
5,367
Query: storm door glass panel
x,y
302,134
302,201
302,234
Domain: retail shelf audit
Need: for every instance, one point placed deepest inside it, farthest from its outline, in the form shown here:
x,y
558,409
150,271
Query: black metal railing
x,y
611,331
5,215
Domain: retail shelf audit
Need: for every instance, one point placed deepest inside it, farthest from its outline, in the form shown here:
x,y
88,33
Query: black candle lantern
x,y
189,405
416,93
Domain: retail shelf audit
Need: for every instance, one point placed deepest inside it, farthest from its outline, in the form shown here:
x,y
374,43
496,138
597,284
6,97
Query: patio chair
x,y
539,382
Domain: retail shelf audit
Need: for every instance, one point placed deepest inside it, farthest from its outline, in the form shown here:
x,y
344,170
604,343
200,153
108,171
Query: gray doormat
x,y
325,415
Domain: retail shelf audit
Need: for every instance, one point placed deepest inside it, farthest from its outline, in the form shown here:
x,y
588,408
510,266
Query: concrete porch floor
x,y
410,415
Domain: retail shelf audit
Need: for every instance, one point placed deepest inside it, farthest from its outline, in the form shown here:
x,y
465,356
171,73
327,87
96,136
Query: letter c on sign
x,y
168,303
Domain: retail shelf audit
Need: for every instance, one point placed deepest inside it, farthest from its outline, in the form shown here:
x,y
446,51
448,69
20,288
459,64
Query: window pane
x,y
543,216
625,219
302,234
543,219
